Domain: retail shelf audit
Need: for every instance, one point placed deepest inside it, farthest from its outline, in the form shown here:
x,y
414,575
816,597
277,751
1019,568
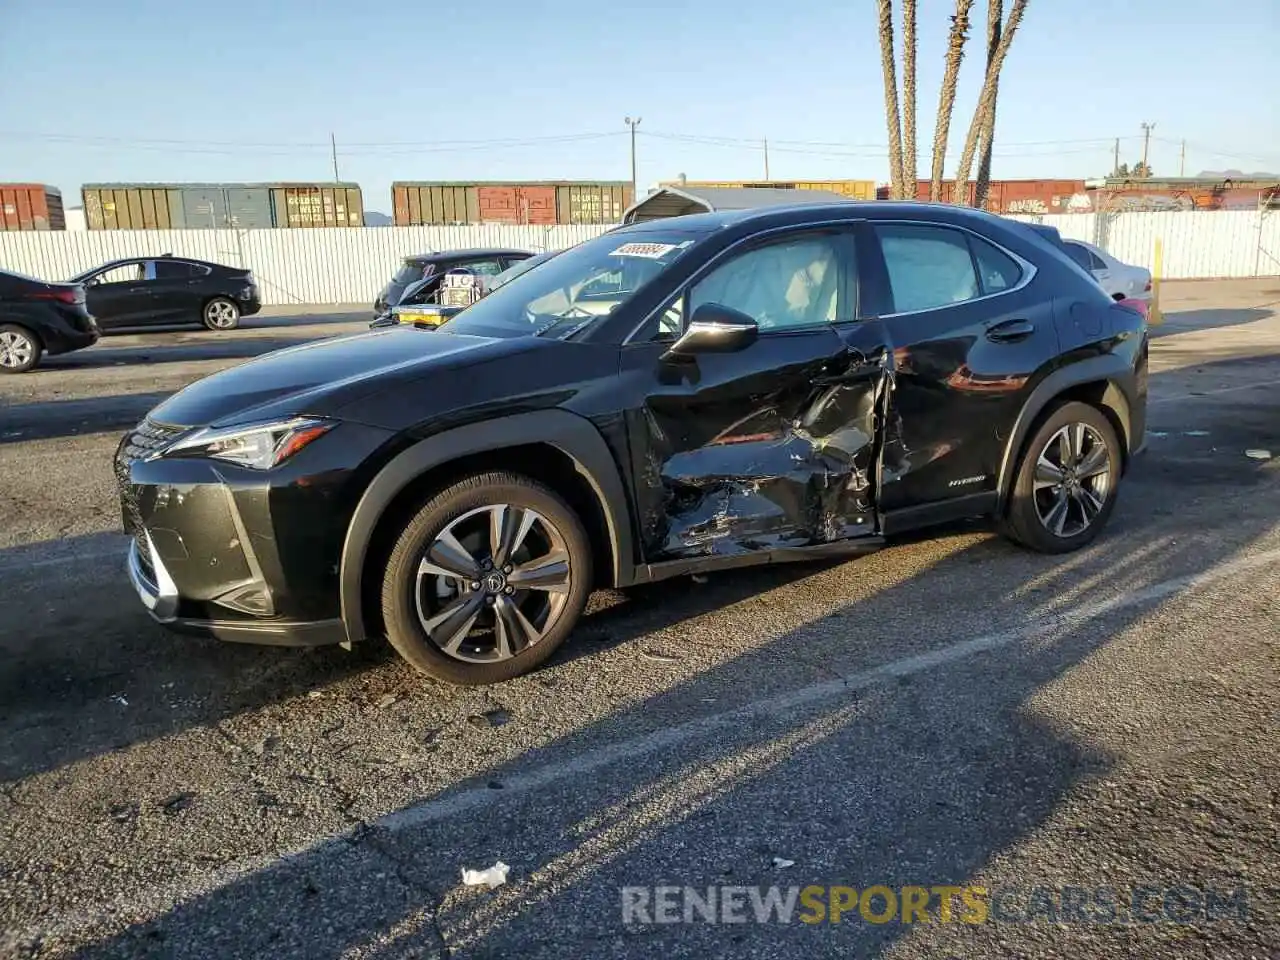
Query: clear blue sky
x,y
91,91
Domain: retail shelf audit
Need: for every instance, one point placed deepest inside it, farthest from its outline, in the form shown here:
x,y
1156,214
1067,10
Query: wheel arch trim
x,y
569,433
1110,372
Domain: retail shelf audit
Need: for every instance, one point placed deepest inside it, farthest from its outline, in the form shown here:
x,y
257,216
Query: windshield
x,y
521,268
574,288
410,271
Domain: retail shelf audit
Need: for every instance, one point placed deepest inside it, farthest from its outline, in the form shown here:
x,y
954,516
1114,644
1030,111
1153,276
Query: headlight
x,y
260,446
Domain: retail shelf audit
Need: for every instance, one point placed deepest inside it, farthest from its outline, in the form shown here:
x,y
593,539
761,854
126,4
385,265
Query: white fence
x,y
332,265
350,265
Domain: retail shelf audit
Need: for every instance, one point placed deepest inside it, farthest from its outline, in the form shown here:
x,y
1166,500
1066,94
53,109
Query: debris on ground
x,y
120,699
387,699
782,863
1195,433
1256,454
659,656
490,718
174,805
698,577
495,876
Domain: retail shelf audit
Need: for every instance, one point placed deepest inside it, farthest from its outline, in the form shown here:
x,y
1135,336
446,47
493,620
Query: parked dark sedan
x,y
683,395
38,318
425,266
166,290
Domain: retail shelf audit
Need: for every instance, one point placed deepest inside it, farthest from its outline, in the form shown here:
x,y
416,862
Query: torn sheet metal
x,y
792,471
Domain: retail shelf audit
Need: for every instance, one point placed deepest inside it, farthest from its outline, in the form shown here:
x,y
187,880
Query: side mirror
x,y
715,329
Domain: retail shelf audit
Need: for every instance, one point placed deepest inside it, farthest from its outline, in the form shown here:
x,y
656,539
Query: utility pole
x,y
766,157
333,148
1182,160
1115,166
1146,144
635,184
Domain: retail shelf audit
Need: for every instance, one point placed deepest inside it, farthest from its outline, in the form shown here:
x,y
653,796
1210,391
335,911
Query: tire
x,y
20,349
1036,518
221,313
467,647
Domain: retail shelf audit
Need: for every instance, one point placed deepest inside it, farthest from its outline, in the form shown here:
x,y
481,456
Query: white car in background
x,y
1120,280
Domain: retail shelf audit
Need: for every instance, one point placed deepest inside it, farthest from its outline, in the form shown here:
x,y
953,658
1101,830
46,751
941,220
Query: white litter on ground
x,y
1258,454
495,876
782,863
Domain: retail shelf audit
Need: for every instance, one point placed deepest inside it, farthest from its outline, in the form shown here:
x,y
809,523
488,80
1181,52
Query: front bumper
x,y
241,555
159,594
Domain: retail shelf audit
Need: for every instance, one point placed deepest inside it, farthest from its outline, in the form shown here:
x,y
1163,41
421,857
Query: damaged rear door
x,y
771,448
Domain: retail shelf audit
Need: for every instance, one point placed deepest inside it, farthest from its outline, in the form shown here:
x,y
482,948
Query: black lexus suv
x,y
682,395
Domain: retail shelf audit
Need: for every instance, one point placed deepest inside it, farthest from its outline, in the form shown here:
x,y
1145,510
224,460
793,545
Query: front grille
x,y
148,437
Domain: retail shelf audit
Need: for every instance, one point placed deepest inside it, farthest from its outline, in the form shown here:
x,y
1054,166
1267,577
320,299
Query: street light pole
x,y
635,185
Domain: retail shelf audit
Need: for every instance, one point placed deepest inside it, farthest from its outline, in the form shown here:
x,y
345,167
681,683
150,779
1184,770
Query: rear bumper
x,y
159,594
65,335
249,307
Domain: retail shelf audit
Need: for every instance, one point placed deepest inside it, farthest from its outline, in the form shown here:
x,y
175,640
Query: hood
x,y
317,378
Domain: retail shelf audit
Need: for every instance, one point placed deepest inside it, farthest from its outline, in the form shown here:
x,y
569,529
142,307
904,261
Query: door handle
x,y
1010,331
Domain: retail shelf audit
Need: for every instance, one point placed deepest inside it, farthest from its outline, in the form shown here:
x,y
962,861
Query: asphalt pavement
x,y
950,712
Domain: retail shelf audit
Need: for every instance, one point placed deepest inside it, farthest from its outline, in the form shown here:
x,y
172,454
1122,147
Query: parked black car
x,y
682,395
166,290
425,266
38,318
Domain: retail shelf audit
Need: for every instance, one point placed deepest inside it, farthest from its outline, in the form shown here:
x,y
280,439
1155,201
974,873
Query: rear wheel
x,y
487,580
20,350
221,314
1067,481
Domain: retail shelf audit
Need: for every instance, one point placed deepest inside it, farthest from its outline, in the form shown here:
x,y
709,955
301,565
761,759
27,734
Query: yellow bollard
x,y
1154,317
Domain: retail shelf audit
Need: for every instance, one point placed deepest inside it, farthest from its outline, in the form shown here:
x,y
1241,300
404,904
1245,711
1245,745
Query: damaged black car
x,y
678,396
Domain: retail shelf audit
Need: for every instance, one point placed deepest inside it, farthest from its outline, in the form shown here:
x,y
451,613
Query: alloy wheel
x,y
15,350
220,314
493,583
1072,480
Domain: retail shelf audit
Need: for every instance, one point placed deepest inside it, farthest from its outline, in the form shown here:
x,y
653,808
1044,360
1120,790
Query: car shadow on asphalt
x,y
1185,321
50,419
105,355
919,777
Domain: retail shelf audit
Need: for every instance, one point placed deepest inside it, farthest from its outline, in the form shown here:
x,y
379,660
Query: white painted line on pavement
x,y
155,900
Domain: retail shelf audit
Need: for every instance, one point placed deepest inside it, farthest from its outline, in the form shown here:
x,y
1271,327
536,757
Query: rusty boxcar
x,y
427,202
31,206
1015,196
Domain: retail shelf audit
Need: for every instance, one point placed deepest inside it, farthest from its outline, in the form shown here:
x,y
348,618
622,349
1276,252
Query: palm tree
x,y
995,14
891,97
947,96
986,100
908,180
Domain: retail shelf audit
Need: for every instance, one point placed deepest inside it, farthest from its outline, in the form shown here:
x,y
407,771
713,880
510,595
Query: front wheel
x,y
19,349
1067,481
487,580
221,314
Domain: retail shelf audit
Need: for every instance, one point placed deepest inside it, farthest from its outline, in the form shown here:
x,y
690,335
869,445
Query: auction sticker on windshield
x,y
650,251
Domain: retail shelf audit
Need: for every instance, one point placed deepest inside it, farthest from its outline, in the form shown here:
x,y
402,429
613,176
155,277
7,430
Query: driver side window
x,y
125,273
793,283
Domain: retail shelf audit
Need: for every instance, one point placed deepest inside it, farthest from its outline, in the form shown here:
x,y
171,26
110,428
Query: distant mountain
x,y
374,219
1237,175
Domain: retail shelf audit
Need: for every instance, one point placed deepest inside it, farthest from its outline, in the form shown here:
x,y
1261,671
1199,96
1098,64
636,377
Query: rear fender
x,y
1113,378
